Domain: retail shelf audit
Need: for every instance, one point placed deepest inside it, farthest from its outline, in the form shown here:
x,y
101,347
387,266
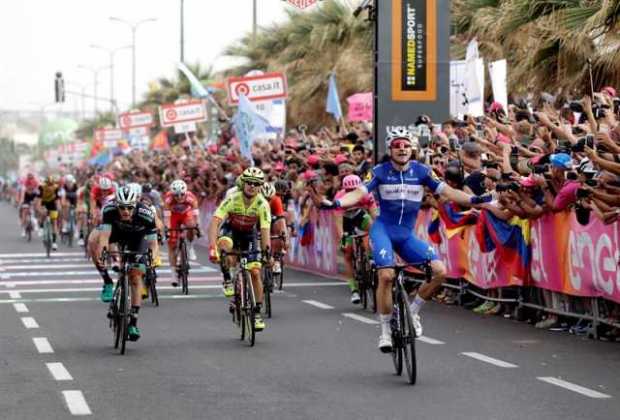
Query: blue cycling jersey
x,y
400,193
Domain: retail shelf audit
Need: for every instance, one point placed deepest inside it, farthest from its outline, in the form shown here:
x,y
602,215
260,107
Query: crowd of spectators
x,y
542,154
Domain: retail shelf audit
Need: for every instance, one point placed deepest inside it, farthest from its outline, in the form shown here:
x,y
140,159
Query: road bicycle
x,y
47,234
183,266
68,233
30,224
403,331
363,272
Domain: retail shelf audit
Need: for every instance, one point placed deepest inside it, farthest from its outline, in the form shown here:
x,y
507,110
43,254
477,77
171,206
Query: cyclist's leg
x,y
383,255
175,222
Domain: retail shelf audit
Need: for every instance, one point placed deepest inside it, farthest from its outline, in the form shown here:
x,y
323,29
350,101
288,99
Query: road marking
x,y
20,308
59,372
360,318
29,322
318,304
573,387
85,273
97,281
41,254
48,260
15,295
192,287
487,359
429,340
65,266
43,346
76,403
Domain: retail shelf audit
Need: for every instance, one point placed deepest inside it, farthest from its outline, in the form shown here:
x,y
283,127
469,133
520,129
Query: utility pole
x,y
111,52
182,31
254,10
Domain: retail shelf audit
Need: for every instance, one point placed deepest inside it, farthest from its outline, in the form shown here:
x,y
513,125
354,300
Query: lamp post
x,y
133,26
182,31
111,52
95,72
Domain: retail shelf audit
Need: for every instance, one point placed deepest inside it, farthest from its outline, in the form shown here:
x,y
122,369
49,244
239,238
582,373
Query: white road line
x,y
43,346
15,295
29,322
192,287
59,372
360,318
97,281
490,360
76,403
318,304
20,308
429,340
54,260
85,273
573,387
65,266
41,254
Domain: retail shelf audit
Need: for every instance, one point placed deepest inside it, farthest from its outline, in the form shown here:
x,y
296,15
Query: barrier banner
x,y
574,259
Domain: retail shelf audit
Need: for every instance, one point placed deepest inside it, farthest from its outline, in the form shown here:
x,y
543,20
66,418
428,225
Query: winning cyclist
x,y
244,210
180,208
128,223
399,185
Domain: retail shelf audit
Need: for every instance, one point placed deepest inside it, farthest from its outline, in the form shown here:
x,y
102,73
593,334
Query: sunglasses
x,y
400,145
253,184
130,208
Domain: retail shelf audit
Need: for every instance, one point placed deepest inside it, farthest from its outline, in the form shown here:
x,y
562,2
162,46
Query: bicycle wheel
x,y
47,237
184,266
71,230
279,279
115,316
248,309
362,281
124,312
397,350
153,287
267,289
29,231
408,339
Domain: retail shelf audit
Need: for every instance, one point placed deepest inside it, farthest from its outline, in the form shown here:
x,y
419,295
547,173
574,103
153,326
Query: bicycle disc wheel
x,y
408,341
124,313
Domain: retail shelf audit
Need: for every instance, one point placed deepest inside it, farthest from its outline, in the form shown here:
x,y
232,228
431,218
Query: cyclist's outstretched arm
x,y
353,197
214,228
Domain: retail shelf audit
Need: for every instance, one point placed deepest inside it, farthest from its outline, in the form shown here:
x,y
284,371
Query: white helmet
x,y
268,190
400,133
126,196
105,183
136,187
69,179
178,187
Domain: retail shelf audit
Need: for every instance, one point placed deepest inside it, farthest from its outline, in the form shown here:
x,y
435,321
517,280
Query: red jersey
x,y
277,209
97,194
179,207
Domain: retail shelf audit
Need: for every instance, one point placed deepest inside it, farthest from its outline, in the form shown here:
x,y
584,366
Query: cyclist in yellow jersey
x,y
49,199
243,210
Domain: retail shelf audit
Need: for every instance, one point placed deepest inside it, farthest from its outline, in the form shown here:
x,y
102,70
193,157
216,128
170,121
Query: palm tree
x,y
308,47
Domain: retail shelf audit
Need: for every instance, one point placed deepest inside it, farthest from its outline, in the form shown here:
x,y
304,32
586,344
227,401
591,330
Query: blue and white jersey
x,y
400,193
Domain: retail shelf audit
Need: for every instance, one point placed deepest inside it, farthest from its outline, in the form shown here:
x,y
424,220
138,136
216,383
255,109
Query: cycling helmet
x,y
351,182
50,179
400,133
282,187
561,161
268,190
239,182
105,183
147,188
253,174
136,187
69,179
126,196
178,187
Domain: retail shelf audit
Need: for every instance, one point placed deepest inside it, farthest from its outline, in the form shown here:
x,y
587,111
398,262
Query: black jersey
x,y
71,194
133,231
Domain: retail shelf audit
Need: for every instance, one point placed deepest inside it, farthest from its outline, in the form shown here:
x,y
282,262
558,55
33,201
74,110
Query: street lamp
x,y
134,27
111,52
95,71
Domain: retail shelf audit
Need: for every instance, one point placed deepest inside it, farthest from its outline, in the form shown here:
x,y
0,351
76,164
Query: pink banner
x,y
360,107
574,259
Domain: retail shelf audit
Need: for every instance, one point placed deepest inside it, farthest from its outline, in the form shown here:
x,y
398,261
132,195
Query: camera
x,y
592,182
576,106
572,176
583,193
541,169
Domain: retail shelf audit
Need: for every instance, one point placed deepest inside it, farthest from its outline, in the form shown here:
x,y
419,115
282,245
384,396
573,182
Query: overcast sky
x,y
40,37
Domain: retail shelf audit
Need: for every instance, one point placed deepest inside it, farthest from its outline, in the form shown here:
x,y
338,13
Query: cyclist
x,y
29,194
278,222
132,225
83,210
69,194
400,184
243,210
351,221
152,196
100,193
180,208
48,198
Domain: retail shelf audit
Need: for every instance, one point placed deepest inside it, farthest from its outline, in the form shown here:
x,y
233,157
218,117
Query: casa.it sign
x,y
302,4
172,114
263,87
130,120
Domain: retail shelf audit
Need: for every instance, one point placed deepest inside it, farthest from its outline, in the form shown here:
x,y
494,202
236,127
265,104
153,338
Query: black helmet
x,y
146,188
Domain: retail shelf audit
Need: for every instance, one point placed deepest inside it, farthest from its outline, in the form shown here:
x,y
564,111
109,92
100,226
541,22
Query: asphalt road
x,y
314,361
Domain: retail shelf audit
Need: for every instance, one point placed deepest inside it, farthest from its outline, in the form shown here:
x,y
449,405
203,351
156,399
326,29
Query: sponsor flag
x,y
248,125
160,141
333,101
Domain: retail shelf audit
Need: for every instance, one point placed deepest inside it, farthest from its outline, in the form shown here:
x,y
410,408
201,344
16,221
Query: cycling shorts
x,y
176,220
387,239
242,241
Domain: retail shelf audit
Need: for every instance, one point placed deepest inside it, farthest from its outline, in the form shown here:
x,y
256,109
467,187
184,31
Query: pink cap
x,y
609,90
313,160
496,106
279,167
309,174
212,148
340,158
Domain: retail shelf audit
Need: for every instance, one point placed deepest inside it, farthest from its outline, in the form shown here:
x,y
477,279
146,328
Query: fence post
x,y
595,316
